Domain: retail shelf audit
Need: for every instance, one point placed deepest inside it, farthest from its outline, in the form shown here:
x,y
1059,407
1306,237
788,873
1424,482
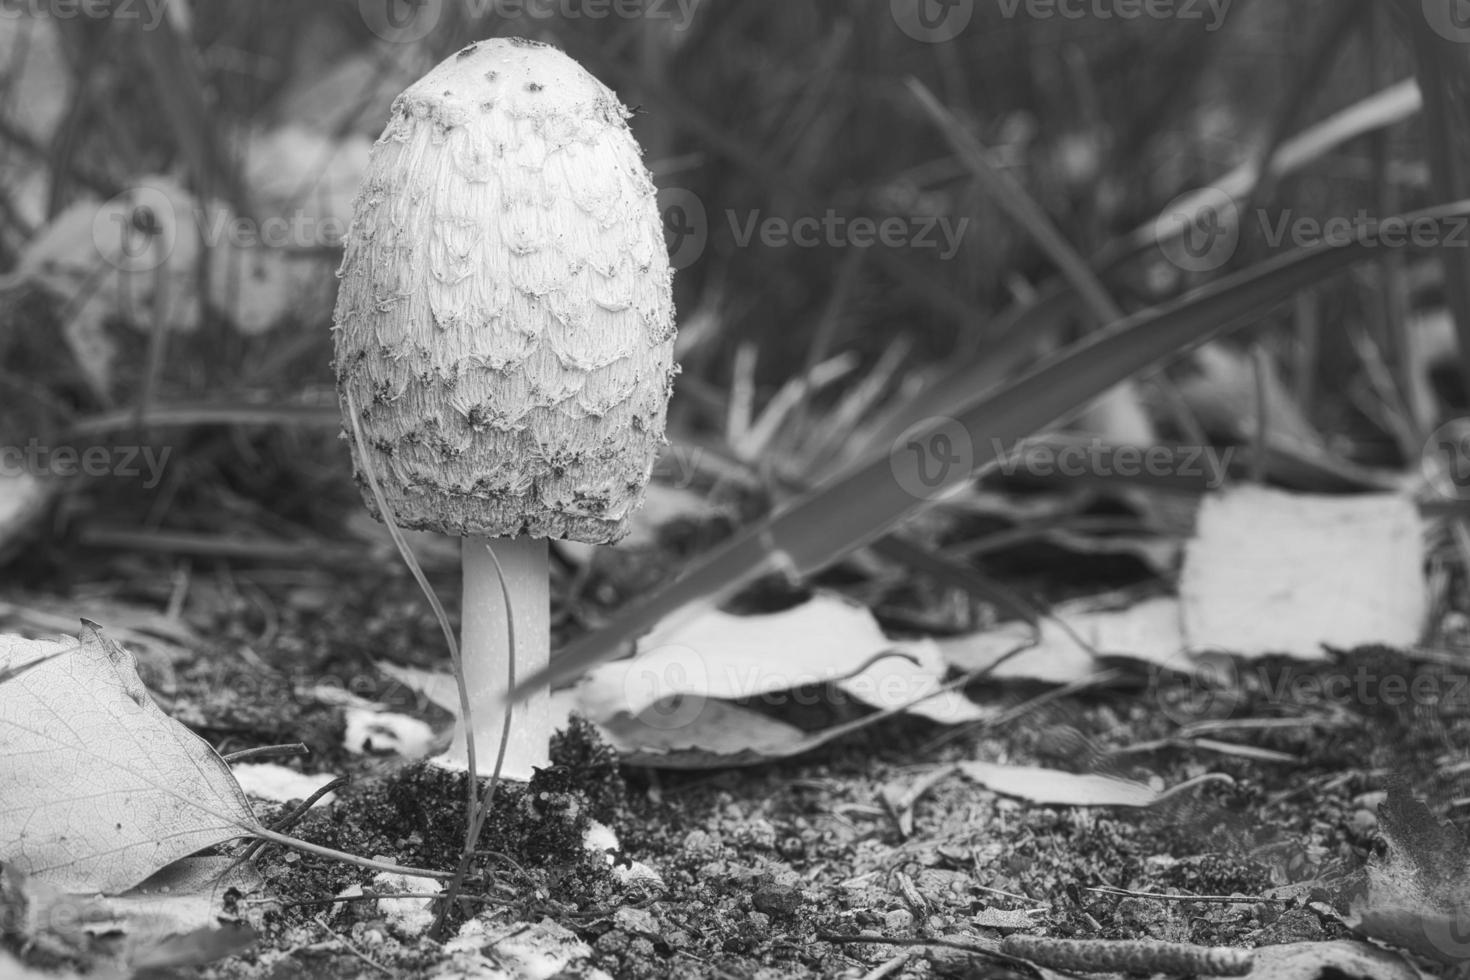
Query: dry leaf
x,y
1149,631
173,918
1419,895
1339,958
1274,572
1055,787
825,640
100,788
673,705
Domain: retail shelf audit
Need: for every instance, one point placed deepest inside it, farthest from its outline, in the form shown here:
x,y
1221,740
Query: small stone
x,y
636,920
758,834
778,899
898,920
1363,822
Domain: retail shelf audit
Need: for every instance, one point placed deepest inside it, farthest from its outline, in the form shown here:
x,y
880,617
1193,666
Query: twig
x,y
351,948
1130,956
288,751
891,966
306,847
1171,897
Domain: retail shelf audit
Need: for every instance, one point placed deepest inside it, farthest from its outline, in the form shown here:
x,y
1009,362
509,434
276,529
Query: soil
x,y
774,870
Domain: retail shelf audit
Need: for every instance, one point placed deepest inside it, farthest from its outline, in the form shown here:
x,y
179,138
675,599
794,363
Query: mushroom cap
x,y
505,318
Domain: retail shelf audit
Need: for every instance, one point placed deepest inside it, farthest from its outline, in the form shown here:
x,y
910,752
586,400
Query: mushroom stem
x,y
487,656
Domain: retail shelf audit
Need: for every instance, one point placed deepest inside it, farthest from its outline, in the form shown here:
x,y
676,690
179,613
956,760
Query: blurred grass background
x,y
757,110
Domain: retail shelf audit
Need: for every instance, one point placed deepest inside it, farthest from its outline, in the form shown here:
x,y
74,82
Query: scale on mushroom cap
x,y
504,332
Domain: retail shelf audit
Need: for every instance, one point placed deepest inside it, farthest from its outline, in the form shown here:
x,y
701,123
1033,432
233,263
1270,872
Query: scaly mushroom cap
x,y
505,318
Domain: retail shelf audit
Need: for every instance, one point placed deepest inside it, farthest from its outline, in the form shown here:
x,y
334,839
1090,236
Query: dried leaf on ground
x,y
172,919
136,257
1149,630
826,640
1419,893
100,788
1274,572
1340,958
675,705
1055,787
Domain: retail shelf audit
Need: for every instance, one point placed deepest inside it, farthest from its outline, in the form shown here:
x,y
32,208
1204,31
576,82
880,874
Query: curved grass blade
x,y
855,508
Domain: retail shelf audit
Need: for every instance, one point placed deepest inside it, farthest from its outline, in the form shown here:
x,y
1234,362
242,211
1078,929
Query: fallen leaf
x,y
98,787
1338,958
675,705
135,259
1274,572
1150,631
172,919
1418,895
280,784
825,640
519,952
371,732
1054,787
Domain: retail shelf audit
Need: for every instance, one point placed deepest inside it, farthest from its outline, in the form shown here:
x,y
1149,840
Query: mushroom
x,y
504,336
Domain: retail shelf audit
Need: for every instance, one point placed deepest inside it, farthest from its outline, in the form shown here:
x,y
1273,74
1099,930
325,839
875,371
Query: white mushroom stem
x,y
486,652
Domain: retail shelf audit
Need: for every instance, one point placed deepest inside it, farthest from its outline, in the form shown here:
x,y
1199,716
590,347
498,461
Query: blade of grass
x,y
1443,123
1330,41
1056,301
1011,198
855,509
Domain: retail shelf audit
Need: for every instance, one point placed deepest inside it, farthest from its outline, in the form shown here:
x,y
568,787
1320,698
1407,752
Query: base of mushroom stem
x,y
455,760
